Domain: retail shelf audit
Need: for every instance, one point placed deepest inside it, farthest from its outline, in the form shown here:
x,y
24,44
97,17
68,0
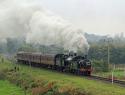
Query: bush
x,y
38,86
2,75
100,66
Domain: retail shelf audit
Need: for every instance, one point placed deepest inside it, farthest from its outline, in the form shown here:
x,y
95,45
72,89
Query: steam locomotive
x,y
70,62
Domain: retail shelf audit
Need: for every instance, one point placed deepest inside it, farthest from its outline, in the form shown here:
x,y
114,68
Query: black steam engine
x,y
71,62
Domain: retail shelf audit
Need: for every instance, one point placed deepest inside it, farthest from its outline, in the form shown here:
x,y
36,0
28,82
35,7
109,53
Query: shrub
x,y
38,86
100,66
2,75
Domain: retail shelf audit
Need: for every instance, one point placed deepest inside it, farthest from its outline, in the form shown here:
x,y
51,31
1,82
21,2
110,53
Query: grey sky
x,y
93,16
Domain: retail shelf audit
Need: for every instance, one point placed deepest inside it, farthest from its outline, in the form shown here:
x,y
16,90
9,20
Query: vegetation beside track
x,y
36,85
6,88
33,79
117,74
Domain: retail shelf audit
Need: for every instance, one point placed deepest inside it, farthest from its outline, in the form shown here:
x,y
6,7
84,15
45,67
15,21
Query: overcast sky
x,y
93,16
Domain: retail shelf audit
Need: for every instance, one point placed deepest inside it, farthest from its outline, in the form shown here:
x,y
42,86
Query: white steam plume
x,y
30,20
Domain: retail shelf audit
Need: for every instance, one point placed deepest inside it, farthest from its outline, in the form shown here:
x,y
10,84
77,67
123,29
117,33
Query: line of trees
x,y
100,52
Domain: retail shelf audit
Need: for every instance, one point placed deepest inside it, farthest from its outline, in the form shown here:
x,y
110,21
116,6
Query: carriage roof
x,y
37,54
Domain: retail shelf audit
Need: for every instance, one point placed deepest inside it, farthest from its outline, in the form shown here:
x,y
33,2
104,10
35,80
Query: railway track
x,y
118,82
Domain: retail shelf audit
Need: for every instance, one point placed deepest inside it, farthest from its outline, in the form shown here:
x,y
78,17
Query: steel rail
x,y
112,81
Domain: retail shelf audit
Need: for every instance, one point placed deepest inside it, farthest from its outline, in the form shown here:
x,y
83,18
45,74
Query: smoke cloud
x,y
28,19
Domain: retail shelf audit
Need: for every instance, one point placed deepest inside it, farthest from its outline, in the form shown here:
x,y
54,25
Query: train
x,y
71,62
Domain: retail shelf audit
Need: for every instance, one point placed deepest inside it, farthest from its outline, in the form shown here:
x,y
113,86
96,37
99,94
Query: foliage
x,y
13,44
62,82
37,86
3,47
6,88
100,66
27,48
2,75
100,52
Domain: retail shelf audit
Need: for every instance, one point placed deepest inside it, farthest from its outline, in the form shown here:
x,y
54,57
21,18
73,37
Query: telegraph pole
x,y
108,50
108,41
108,54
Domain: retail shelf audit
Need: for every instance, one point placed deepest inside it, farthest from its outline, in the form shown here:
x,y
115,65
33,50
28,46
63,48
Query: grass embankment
x,y
7,88
68,83
117,74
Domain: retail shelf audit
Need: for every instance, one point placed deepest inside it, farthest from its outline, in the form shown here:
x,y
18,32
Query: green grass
x,y
91,86
7,88
119,74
